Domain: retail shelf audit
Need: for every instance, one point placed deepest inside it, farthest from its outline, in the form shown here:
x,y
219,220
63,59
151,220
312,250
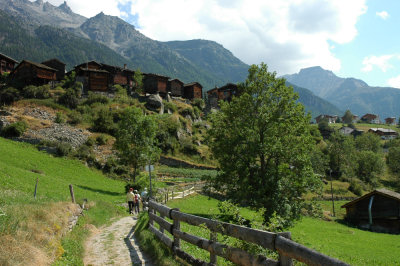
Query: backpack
x,y
136,198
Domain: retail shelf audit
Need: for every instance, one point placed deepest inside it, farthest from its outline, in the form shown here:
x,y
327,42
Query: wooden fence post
x,y
283,260
172,194
177,226
34,194
149,209
213,256
71,190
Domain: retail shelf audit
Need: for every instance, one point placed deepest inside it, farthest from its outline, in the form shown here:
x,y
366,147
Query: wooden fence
x,y
178,192
279,242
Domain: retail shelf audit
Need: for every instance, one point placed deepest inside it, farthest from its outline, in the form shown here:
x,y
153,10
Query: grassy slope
x,y
349,244
30,223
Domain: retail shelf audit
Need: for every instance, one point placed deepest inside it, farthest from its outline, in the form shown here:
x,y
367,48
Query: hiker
x,y
137,201
144,197
130,198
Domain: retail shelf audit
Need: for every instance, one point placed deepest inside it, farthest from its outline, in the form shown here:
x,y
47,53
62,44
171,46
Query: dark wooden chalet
x,y
7,64
227,91
119,75
92,76
378,210
154,83
192,91
31,73
58,65
175,87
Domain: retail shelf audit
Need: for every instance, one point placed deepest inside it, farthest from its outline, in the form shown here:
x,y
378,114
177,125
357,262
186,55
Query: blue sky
x,y
353,38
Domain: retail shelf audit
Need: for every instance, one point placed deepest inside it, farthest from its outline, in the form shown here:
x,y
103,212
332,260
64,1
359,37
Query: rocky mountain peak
x,y
64,7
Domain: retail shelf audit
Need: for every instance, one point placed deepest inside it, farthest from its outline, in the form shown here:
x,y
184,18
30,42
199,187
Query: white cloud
x,y
383,15
394,82
381,62
287,35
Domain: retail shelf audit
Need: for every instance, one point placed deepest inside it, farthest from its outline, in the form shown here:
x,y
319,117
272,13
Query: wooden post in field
x,y
71,190
34,194
213,257
172,194
176,226
285,261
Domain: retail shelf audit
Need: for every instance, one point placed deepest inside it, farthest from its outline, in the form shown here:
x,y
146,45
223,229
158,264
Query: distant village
x,y
100,77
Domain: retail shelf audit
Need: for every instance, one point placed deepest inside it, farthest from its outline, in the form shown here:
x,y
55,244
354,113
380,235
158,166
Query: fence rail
x,y
279,242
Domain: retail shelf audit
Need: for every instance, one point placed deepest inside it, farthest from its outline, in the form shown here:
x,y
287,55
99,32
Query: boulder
x,y
154,102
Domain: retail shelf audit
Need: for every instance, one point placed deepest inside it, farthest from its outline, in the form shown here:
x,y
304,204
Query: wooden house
x,y
154,83
378,210
175,87
119,75
7,64
213,97
58,65
227,91
371,118
31,73
330,118
92,76
390,121
192,91
384,133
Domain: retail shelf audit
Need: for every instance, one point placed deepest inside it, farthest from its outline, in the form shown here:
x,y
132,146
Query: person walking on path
x,y
144,197
137,201
130,198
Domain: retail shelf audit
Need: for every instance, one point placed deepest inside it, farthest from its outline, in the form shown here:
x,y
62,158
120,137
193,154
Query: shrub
x,y
102,139
199,103
69,99
60,118
16,129
103,121
41,92
90,142
75,118
9,95
188,146
187,111
170,106
355,187
96,98
63,149
83,152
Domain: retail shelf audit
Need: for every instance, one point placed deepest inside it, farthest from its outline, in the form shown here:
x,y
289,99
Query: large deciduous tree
x,y
136,139
262,142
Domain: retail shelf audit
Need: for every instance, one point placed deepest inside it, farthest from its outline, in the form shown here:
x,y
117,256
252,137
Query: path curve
x,y
115,245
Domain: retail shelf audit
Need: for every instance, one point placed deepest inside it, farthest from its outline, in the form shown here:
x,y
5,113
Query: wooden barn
x,y
192,91
58,65
175,87
227,91
92,76
119,75
30,73
378,211
154,83
7,64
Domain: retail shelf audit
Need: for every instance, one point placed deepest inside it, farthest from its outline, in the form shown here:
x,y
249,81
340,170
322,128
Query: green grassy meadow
x,y
37,223
333,238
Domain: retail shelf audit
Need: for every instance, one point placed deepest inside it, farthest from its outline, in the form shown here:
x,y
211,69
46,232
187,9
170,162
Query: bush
x,y
187,111
60,118
199,103
41,92
102,139
90,142
355,187
75,118
9,95
16,129
96,98
83,153
63,149
170,106
69,99
103,121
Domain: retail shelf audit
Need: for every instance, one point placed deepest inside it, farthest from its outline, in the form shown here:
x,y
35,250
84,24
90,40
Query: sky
x,y
352,38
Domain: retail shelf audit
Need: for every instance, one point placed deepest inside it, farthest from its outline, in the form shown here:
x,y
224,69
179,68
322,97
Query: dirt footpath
x,y
115,245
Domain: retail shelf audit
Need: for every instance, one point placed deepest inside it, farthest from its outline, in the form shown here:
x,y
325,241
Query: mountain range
x,y
348,93
38,31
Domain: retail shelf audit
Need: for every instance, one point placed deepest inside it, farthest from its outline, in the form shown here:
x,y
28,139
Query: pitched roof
x,y
192,83
228,85
385,130
369,116
381,191
178,80
37,65
155,75
53,59
94,70
9,58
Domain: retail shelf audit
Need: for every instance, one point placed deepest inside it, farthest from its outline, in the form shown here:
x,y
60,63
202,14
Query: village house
x,y
384,133
192,91
7,64
58,65
175,87
31,73
371,119
92,76
224,93
119,75
154,83
346,130
331,119
390,121
378,211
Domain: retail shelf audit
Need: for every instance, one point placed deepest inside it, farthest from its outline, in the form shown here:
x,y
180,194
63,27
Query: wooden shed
x,y
378,211
154,83
93,79
227,91
58,65
7,64
119,75
192,91
31,73
175,87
